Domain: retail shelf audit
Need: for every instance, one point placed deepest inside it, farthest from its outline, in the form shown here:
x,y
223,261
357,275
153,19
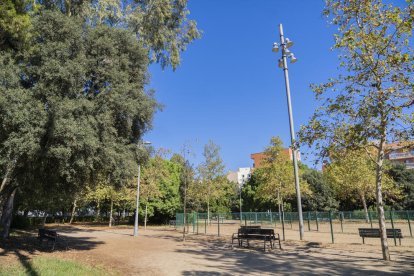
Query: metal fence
x,y
324,227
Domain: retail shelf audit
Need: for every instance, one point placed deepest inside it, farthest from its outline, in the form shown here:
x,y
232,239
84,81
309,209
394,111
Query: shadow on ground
x,y
295,258
25,246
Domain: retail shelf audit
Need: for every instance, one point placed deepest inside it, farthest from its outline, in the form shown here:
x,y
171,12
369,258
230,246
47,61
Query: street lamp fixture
x,y
275,48
283,63
139,173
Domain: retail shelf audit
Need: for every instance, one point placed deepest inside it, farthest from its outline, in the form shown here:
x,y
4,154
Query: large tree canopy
x,y
161,25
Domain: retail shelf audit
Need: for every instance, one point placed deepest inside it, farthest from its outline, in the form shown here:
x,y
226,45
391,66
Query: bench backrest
x,y
255,231
250,227
375,232
44,232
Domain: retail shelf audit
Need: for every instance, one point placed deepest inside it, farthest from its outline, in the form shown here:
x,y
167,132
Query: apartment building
x,y
398,155
241,175
258,157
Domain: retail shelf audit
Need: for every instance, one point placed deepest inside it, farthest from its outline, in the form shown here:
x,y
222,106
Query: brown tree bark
x,y
364,202
380,206
6,216
146,212
110,214
73,212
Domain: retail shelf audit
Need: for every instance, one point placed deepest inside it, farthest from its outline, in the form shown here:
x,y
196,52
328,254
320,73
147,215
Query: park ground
x,y
160,251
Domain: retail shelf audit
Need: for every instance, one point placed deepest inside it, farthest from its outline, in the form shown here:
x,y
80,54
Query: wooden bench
x,y
256,234
51,236
172,222
375,233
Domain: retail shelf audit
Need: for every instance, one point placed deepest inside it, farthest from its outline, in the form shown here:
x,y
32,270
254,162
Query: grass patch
x,y
53,266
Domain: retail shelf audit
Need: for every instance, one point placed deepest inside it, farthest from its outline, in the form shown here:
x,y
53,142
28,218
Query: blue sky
x,y
229,88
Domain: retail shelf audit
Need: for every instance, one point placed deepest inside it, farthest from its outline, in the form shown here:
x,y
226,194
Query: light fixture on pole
x,y
283,63
275,48
139,173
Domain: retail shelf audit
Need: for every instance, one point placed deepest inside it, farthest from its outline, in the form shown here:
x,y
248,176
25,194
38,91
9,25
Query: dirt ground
x,y
160,251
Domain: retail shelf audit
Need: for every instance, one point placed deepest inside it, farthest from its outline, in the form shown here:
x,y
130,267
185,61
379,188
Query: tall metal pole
x,y
136,212
292,133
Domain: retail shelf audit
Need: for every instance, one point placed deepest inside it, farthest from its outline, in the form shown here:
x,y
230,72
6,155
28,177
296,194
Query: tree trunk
x,y
380,206
99,211
73,212
6,216
123,214
364,202
146,212
110,214
44,219
208,212
280,215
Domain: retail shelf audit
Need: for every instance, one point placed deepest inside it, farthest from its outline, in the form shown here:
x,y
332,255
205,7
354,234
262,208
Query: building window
x,y
407,161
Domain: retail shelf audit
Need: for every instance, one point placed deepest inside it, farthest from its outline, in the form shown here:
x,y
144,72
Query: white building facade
x,y
240,176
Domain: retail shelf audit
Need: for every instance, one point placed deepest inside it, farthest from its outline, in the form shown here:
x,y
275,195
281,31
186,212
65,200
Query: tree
x,y
250,201
323,197
370,101
152,174
186,151
211,183
15,25
74,106
277,179
351,174
161,25
405,180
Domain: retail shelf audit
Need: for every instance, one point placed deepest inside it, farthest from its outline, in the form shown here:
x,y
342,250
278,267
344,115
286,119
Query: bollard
x,y
392,224
409,224
309,218
317,223
330,220
370,217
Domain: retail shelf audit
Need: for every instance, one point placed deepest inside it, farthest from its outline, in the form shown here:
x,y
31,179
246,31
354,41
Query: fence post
x,y
194,221
245,220
291,225
309,217
255,214
409,224
342,217
222,218
205,224
350,217
241,217
176,220
250,218
261,218
218,223
370,217
283,225
330,220
392,223
188,223
317,223
275,219
271,218
198,216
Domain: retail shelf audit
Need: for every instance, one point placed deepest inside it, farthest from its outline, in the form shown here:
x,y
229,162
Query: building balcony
x,y
409,165
401,155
